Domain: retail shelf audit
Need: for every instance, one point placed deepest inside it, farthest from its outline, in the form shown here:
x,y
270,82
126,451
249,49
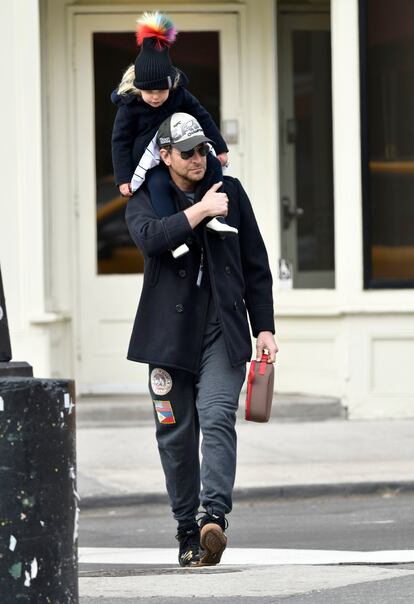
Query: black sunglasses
x,y
202,149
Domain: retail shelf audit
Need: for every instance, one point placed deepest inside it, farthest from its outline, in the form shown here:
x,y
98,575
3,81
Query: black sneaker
x,y
189,540
213,539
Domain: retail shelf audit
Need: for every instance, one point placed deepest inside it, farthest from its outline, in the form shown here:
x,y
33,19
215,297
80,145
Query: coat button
x,y
235,305
179,308
189,240
182,273
222,237
227,269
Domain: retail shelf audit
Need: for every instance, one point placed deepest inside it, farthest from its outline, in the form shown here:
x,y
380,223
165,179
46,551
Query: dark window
x,y
195,53
387,100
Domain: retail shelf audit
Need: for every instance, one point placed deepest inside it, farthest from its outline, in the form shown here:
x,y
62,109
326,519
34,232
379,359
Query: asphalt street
x,y
282,530
351,523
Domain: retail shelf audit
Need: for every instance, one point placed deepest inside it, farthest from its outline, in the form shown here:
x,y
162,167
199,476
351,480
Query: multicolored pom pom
x,y
158,26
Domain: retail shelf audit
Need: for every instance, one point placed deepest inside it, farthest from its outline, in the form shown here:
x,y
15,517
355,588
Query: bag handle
x,y
263,363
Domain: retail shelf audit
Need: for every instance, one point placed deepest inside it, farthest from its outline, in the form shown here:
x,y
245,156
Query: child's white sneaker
x,y
180,250
221,227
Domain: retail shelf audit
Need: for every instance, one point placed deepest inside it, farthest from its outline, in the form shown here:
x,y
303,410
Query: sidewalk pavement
x,y
118,459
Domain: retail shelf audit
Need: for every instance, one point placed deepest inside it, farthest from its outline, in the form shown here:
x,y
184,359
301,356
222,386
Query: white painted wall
x,y
21,224
260,126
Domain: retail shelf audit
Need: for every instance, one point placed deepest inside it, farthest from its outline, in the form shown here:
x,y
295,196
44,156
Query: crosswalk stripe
x,y
246,556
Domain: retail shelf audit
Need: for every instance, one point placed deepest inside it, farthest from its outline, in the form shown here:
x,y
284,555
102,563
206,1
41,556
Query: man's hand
x,y
266,341
214,203
125,189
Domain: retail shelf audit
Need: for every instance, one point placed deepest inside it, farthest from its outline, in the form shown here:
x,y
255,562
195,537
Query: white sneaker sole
x,y
180,250
219,227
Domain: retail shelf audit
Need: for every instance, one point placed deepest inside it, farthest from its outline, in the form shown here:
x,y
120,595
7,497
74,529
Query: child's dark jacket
x,y
136,123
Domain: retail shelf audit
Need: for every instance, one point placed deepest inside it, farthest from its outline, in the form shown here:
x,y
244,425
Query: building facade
x,y
314,100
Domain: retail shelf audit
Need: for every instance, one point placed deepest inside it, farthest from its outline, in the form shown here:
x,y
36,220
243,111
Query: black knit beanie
x,y
155,33
153,67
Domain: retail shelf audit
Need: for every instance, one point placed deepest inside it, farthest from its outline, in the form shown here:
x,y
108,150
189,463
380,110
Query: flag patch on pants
x,y
164,412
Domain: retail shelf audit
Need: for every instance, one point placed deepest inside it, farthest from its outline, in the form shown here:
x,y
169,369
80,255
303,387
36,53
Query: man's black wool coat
x,y
170,320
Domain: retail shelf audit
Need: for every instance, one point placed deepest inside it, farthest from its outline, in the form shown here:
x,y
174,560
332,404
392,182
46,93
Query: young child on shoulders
x,y
151,90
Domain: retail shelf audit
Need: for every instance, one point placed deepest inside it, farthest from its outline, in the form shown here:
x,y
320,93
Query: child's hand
x,y
125,189
223,159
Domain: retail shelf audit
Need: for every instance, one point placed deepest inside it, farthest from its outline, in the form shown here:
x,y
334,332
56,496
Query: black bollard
x,y
38,498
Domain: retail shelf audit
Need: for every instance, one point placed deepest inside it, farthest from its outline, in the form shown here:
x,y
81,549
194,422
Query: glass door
x,y
112,53
306,165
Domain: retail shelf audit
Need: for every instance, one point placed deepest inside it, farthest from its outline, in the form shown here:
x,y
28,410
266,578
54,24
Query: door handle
x,y
291,132
289,212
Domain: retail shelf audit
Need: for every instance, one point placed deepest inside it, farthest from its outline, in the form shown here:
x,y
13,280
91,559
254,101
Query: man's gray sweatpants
x,y
184,404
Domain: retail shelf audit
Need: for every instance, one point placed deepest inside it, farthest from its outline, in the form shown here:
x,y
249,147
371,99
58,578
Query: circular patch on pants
x,y
161,381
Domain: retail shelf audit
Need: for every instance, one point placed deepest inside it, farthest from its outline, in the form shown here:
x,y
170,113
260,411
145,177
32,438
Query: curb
x,y
132,410
300,491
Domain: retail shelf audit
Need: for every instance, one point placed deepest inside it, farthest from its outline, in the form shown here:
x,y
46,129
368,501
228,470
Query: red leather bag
x,y
259,397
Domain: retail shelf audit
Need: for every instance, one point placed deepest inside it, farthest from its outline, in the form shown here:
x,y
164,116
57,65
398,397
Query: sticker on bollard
x,y
39,505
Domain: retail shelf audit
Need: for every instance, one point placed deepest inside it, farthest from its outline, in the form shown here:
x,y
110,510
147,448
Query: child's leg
x,y
214,164
158,183
218,224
